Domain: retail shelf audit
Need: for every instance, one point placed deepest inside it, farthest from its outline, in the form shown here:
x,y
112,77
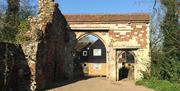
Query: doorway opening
x,y
90,57
125,64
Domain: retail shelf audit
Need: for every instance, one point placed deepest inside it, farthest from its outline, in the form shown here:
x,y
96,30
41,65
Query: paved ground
x,y
100,84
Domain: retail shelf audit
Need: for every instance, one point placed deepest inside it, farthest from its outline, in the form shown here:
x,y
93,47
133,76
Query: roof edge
x,y
101,17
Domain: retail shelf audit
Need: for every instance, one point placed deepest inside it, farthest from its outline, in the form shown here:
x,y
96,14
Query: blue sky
x,y
101,6
105,6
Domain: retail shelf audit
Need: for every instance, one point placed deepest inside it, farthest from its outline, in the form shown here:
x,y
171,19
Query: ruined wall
x,y
49,53
14,69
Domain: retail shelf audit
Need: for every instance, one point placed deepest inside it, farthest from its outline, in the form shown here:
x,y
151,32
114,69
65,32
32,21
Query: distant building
x,y
93,57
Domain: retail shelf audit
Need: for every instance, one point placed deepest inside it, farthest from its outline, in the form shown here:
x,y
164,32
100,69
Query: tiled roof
x,y
107,17
80,46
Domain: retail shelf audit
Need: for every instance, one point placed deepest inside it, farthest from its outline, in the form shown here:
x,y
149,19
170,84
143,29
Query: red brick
x,y
110,33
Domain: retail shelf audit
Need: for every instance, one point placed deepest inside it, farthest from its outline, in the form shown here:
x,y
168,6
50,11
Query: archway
x,y
90,56
125,64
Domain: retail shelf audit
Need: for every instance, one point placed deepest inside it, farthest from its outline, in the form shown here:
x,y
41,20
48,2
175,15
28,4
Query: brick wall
x,y
138,32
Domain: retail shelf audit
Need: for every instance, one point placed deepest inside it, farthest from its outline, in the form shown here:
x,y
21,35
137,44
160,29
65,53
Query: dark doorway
x,y
126,65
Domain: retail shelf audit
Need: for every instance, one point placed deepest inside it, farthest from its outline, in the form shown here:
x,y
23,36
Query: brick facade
x,y
118,32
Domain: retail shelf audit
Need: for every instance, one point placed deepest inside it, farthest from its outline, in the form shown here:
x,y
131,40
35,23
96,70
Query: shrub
x,y
160,85
22,30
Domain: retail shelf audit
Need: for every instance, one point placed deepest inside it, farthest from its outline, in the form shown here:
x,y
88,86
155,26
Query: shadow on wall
x,y
14,69
54,58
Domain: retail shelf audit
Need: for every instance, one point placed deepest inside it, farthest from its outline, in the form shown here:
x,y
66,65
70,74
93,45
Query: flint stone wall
x,y
14,70
49,53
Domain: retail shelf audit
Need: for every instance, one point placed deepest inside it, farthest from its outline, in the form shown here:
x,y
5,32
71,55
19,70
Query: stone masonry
x,y
14,69
48,56
49,53
118,32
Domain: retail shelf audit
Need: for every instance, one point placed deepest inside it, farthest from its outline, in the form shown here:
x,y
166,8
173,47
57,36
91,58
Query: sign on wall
x,y
97,52
96,66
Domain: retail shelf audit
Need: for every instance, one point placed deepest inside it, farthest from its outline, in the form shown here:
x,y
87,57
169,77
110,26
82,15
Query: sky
x,y
88,38
100,6
103,6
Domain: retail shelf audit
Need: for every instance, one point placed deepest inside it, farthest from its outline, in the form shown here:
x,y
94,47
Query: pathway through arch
x,y
101,84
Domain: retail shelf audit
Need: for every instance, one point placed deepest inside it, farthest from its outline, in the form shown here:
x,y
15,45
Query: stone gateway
x,y
49,55
125,36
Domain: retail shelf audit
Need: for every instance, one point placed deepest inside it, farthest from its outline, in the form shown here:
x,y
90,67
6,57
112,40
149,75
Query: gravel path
x,y
100,84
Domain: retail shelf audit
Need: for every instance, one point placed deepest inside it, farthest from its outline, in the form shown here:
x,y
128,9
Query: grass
x,y
159,85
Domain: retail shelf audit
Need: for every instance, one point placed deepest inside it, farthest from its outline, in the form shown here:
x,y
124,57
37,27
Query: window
x,y
84,53
96,52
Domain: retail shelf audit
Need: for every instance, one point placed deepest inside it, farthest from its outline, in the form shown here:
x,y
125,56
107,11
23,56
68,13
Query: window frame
x,y
97,52
85,53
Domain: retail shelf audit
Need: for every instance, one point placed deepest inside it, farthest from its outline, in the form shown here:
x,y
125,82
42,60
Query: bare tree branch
x,y
154,6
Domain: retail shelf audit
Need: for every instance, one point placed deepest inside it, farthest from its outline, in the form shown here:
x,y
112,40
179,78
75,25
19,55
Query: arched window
x,y
91,49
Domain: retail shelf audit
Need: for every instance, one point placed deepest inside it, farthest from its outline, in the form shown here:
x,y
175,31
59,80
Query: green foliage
x,y
170,29
160,85
25,11
14,24
22,30
166,61
170,67
10,22
1,26
165,69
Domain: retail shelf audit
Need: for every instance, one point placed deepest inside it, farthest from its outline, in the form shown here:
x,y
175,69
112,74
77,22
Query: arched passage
x,y
90,56
125,63
98,35
117,35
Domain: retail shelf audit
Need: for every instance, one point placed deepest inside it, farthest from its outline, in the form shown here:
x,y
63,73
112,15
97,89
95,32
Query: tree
x,y
166,60
170,28
26,10
11,21
14,23
171,43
